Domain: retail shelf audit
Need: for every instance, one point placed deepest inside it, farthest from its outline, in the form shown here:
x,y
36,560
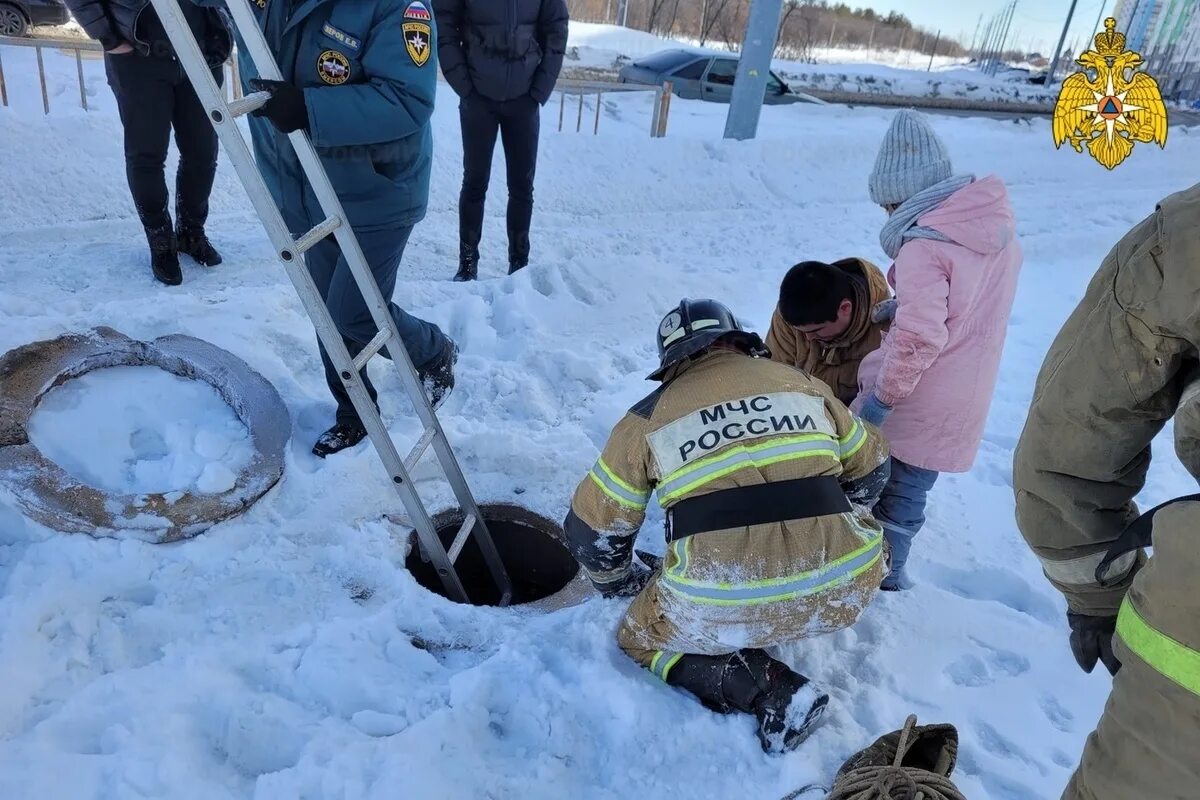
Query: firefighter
x,y
766,479
1124,364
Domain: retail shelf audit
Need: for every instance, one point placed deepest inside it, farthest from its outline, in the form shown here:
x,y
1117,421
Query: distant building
x,y
1167,34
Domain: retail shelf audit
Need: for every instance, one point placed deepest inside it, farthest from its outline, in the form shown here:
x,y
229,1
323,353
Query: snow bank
x,y
137,430
287,653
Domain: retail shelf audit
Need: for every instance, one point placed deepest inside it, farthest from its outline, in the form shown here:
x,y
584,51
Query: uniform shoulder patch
x,y
417,42
418,11
333,68
644,408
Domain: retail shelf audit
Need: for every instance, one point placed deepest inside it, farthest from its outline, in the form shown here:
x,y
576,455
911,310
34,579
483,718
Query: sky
x,y
1036,24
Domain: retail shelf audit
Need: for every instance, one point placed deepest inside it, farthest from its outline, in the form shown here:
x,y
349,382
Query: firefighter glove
x,y
1091,641
628,585
285,109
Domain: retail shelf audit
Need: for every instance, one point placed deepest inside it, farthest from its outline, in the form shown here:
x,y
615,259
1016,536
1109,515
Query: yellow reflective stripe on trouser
x,y
616,488
1176,661
833,574
662,662
853,441
689,478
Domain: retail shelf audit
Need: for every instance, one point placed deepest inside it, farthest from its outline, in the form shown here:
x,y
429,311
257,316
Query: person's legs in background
x,y
479,128
519,126
197,143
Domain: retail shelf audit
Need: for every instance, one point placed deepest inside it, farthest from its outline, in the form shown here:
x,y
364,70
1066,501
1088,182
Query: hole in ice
x,y
529,545
142,430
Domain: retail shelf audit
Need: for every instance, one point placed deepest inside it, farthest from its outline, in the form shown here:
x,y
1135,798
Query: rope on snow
x,y
895,782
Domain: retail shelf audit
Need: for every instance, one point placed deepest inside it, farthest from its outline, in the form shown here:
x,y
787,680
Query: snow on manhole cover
x,y
105,435
142,430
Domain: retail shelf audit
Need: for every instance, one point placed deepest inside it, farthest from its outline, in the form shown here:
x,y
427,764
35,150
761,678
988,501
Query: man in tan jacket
x,y
1124,364
829,318
766,479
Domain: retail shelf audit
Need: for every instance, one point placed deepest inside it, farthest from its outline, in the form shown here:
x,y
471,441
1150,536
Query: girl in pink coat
x,y
956,260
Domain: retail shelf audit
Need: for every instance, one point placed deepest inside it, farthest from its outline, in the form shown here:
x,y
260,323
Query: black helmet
x,y
695,326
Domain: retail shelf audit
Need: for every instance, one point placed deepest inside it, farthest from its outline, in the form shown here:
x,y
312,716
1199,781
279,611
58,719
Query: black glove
x,y
628,586
1091,641
285,109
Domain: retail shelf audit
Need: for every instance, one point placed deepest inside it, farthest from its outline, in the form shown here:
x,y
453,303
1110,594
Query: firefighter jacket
x,y
726,421
1123,365
836,363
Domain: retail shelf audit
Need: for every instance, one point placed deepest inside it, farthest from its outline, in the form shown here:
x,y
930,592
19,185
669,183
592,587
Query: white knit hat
x,y
911,158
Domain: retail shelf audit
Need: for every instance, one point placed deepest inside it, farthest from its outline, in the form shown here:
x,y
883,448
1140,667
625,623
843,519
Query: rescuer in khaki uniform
x,y
754,462
1125,363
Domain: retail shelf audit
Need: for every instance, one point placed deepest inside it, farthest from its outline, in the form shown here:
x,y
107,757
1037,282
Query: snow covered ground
x,y
608,47
287,653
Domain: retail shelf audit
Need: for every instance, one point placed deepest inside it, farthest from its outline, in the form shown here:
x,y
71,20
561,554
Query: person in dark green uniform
x,y
360,79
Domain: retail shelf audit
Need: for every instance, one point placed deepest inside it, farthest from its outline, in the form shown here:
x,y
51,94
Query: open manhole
x,y
541,569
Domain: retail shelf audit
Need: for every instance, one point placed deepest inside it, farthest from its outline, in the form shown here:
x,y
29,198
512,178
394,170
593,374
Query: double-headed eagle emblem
x,y
1112,110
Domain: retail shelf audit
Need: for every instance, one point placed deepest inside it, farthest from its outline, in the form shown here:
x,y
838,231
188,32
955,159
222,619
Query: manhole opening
x,y
538,564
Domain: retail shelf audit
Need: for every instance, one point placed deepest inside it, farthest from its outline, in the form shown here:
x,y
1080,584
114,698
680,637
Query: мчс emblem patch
x,y
333,67
418,11
416,41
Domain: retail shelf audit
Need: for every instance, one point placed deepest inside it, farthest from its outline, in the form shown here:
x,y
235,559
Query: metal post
x,y
665,113
235,70
579,118
42,78
599,102
871,38
1003,38
623,13
562,106
985,46
1062,37
82,90
3,88
975,35
832,31
754,65
936,39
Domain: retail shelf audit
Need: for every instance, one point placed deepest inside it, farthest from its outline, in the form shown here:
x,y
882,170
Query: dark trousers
x,y
517,122
383,250
154,96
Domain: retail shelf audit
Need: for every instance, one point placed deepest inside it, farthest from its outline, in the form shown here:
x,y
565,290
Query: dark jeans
x,y
383,250
154,96
517,122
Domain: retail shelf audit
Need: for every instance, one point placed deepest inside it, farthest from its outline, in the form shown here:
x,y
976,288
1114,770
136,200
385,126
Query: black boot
x,y
438,374
518,251
194,242
164,255
338,438
752,682
468,262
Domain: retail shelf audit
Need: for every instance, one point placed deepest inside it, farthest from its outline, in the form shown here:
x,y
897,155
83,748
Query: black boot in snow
x,y
468,263
752,682
438,375
338,438
164,255
195,243
518,252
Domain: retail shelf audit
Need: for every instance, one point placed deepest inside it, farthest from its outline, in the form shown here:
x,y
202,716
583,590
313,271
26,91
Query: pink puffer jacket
x,y
939,361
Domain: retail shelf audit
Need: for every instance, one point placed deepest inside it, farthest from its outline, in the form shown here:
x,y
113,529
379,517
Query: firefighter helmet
x,y
693,327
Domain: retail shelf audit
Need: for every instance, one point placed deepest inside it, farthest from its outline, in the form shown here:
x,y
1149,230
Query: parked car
x,y
18,16
703,76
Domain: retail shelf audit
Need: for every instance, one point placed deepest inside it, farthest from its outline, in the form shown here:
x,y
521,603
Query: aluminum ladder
x,y
223,116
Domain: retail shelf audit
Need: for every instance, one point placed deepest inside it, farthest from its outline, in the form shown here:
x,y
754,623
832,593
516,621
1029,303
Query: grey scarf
x,y
903,225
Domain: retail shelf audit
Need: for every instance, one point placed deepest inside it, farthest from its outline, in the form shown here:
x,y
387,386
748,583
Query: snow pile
x,y
287,653
142,430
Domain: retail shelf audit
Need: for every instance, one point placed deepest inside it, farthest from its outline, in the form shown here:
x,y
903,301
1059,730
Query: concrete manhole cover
x,y
105,435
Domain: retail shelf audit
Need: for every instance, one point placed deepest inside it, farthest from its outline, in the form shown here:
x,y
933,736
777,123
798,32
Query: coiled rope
x,y
895,782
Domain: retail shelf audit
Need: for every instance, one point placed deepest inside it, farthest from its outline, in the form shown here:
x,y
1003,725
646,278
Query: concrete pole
x,y
936,39
1004,38
975,35
754,66
1062,37
985,46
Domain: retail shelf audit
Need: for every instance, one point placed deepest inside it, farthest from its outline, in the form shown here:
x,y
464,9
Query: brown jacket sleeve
x,y
609,504
781,341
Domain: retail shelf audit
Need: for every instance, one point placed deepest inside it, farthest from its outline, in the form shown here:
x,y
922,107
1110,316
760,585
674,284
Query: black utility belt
x,y
762,504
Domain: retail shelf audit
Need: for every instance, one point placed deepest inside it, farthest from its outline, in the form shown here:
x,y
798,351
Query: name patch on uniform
x,y
333,67
417,10
702,432
341,37
416,42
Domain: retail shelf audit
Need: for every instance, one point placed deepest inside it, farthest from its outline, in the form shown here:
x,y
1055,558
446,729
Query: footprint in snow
x,y
1059,717
996,585
999,745
1006,661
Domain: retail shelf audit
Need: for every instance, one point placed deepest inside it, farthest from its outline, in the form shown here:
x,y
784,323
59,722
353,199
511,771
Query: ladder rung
x,y
419,449
460,539
310,239
248,103
374,346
